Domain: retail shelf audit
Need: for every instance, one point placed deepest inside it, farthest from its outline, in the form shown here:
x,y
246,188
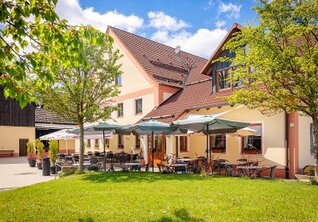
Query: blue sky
x,y
196,25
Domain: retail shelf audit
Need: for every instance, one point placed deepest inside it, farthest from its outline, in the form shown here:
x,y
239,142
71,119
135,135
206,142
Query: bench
x,y
7,152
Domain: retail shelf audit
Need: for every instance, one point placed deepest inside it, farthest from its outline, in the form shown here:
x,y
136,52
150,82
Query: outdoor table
x,y
182,167
133,166
184,159
85,164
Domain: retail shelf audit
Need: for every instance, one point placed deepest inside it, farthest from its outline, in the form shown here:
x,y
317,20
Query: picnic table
x,y
133,166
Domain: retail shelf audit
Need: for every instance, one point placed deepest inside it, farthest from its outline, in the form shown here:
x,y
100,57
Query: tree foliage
x,y
84,67
21,22
282,53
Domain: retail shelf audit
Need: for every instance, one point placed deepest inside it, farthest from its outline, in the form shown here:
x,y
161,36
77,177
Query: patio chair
x,y
159,167
95,164
96,153
220,166
271,175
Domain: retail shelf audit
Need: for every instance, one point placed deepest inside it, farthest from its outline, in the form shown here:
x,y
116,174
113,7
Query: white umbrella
x,y
246,131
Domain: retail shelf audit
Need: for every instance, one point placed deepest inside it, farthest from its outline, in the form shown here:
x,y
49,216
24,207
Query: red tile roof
x,y
195,95
159,61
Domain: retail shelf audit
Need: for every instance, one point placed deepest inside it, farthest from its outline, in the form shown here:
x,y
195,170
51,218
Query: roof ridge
x,y
156,42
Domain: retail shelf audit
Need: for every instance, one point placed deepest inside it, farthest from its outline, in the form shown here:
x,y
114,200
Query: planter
x,y
218,151
251,152
55,169
32,163
39,165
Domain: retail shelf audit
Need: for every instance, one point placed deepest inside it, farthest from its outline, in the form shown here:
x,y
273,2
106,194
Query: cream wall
x,y
130,116
305,157
273,138
10,135
132,79
66,145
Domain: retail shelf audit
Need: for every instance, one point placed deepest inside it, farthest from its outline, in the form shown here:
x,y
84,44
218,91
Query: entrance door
x,y
23,147
159,148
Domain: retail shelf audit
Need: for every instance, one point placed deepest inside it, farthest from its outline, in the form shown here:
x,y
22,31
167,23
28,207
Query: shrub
x,y
39,145
53,150
30,151
309,170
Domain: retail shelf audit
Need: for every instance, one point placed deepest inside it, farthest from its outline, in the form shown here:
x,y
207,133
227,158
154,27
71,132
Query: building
x,y
152,72
283,140
17,126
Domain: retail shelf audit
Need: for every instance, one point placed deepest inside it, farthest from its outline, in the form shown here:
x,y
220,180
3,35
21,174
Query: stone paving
x,y
15,172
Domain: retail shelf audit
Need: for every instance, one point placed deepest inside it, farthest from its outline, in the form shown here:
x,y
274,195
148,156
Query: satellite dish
x,y
177,50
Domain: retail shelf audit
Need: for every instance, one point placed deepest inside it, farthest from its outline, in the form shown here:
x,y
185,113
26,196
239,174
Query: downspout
x,y
286,142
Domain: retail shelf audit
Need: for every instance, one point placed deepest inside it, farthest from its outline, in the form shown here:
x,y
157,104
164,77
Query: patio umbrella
x,y
246,131
209,124
60,135
148,128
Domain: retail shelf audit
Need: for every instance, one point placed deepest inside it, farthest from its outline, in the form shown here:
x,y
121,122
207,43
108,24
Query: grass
x,y
156,197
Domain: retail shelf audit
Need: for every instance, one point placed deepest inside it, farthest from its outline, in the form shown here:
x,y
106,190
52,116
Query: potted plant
x,y
53,154
31,154
40,148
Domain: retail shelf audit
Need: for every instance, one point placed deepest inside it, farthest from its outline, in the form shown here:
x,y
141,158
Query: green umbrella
x,y
209,124
148,128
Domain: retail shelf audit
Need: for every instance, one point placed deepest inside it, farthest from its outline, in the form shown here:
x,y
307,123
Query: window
x,y
88,143
119,80
218,143
253,144
138,105
156,143
106,143
224,78
96,143
183,144
137,138
120,109
312,151
120,141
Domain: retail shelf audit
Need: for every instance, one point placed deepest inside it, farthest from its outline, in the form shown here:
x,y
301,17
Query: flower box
x,y
252,152
218,151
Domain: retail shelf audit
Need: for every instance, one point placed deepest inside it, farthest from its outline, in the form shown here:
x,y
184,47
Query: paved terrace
x,y
15,172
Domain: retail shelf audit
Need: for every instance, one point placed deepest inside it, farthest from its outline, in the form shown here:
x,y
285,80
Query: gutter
x,y
287,148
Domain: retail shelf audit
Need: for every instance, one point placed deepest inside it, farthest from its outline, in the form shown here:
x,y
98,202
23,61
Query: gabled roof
x,y
197,92
158,61
195,95
44,116
235,28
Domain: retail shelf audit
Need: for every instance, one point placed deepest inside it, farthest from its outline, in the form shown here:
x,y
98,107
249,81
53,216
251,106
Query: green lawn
x,y
156,197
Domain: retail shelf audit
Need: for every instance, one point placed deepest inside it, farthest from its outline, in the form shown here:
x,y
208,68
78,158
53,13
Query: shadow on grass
x,y
181,215
86,219
118,177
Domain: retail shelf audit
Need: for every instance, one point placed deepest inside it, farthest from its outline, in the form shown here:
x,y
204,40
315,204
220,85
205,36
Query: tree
x,y
281,52
84,66
21,22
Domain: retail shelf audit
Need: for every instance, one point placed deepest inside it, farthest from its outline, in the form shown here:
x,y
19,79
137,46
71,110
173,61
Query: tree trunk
x,y
81,157
315,142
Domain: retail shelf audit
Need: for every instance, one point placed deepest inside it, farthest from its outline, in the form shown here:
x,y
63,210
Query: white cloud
x,y
202,43
160,20
76,15
220,23
160,36
231,10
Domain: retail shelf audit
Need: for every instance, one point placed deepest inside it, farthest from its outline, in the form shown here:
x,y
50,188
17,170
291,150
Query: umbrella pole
x,y
152,153
207,142
104,151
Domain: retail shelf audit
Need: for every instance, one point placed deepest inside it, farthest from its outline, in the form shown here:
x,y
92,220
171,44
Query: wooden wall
x,y
12,115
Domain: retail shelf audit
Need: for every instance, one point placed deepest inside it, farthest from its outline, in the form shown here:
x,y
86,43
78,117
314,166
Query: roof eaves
x,y
219,48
